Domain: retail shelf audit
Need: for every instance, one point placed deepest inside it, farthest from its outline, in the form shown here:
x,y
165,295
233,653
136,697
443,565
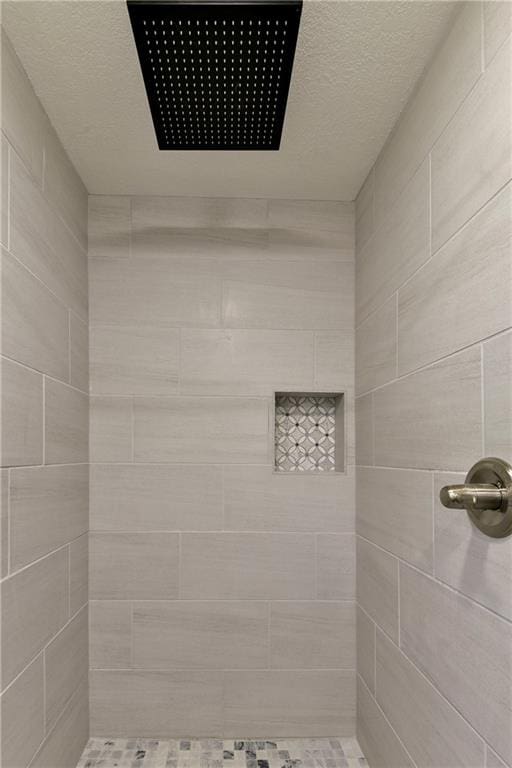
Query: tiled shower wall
x,y
44,482
434,386
222,593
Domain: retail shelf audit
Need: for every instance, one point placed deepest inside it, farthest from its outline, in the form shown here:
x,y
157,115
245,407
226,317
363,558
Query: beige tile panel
x,y
206,429
365,215
35,324
64,189
497,27
492,759
334,360
4,521
432,731
474,668
395,511
129,497
110,425
134,360
245,362
451,75
157,704
230,566
22,415
64,745
66,424
376,352
162,292
257,498
109,226
110,623
133,566
22,712
432,419
66,666
468,560
4,195
472,159
364,430
34,607
365,636
288,295
276,703
327,215
200,635
79,360
397,248
378,741
23,120
312,635
78,573
497,355
44,244
377,586
433,317
48,507
210,242
197,212
306,244
336,566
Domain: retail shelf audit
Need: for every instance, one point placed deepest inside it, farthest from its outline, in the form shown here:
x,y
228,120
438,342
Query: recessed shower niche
x,y
309,434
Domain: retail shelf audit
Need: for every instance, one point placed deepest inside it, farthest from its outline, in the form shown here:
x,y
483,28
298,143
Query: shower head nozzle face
x,y
217,74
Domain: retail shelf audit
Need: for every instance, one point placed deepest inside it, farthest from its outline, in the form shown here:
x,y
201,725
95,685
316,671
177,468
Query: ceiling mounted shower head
x,y
216,73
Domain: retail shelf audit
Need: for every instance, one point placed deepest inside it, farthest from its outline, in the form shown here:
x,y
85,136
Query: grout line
x,y
12,574
64,383
482,397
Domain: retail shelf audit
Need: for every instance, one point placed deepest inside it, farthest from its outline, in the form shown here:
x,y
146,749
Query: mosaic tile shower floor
x,y
214,753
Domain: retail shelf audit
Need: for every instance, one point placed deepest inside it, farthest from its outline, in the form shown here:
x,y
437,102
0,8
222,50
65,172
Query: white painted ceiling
x,y
355,66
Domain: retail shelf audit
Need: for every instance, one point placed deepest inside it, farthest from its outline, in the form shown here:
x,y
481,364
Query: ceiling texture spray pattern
x,y
355,66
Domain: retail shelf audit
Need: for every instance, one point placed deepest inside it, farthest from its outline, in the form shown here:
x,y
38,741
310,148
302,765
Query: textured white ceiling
x,y
355,66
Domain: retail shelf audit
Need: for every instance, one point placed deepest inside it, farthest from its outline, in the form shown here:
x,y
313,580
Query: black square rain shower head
x,y
217,73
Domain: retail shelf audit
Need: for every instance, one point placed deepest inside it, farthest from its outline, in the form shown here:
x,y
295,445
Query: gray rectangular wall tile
x,y
22,712
134,360
376,348
200,635
110,429
431,419
133,566
432,617
247,362
312,635
497,27
110,642
379,742
247,566
325,215
129,497
157,704
64,744
284,703
78,573
257,498
336,566
22,415
66,425
79,353
48,508
395,512
334,360
150,212
34,607
66,666
377,586
416,710
4,522
472,159
497,356
365,636
207,429
109,226
35,324
433,320
365,429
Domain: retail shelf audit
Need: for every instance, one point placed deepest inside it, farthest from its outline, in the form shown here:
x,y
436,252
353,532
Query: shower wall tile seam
x,y
46,376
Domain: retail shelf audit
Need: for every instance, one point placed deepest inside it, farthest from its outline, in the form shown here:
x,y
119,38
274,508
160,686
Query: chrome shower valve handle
x,y
486,496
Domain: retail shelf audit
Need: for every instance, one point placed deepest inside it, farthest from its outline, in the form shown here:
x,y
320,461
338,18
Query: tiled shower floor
x,y
214,753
